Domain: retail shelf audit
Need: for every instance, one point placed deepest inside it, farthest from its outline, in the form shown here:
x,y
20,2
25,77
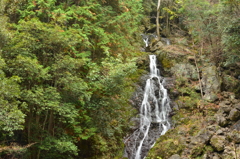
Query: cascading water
x,y
154,112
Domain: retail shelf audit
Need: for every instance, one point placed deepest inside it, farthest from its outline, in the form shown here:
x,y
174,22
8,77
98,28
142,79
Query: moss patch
x,y
166,146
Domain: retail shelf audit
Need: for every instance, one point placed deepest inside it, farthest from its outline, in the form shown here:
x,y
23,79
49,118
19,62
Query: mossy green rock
x,y
167,145
218,142
197,150
165,59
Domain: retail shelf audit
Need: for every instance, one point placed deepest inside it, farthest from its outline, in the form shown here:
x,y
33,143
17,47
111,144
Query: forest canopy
x,y
63,69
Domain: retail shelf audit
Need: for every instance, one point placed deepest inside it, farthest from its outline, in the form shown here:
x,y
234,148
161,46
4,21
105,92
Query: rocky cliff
x,y
206,104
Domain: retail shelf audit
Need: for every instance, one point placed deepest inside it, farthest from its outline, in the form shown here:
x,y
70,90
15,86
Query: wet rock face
x,y
137,97
154,133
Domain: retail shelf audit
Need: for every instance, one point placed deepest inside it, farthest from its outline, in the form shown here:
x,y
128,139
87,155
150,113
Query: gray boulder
x,y
211,83
197,143
236,126
176,156
235,136
234,114
156,46
237,106
222,121
185,70
225,106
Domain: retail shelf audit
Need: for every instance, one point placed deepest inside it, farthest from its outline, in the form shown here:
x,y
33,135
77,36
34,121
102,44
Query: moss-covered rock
x,y
167,145
165,59
171,55
197,150
218,142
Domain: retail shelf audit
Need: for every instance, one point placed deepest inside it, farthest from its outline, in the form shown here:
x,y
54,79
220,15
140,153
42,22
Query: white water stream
x,y
154,112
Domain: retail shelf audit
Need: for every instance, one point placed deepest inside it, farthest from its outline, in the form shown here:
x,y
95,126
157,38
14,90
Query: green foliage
x,y
58,148
42,98
4,34
231,34
188,98
111,91
168,16
200,18
65,74
11,116
28,69
211,30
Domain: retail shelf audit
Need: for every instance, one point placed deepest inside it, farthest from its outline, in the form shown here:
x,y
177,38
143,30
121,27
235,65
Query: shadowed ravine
x,y
153,115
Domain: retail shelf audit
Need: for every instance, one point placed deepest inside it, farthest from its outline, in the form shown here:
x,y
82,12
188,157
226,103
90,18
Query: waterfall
x,y
154,112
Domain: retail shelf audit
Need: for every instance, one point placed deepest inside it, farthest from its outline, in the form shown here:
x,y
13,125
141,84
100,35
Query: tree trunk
x,y
157,20
30,115
50,122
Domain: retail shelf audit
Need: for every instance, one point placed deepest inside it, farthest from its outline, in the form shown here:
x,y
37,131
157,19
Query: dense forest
x,y
68,67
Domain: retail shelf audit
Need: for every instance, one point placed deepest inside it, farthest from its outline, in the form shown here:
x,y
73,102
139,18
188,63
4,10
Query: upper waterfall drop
x,y
153,115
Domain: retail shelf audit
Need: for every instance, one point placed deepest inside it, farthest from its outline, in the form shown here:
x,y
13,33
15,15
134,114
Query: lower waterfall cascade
x,y
153,115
